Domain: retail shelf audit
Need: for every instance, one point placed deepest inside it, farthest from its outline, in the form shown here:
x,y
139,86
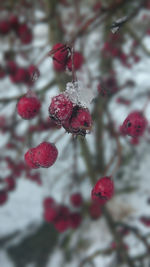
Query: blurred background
x,y
111,44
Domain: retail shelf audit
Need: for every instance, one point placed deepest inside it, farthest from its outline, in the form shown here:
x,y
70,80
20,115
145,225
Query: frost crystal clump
x,y
78,94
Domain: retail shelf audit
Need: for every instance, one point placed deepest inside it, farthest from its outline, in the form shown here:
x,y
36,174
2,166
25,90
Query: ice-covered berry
x,y
135,124
60,108
28,107
103,190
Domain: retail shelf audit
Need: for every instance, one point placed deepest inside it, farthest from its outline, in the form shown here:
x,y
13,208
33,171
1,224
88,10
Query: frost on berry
x,y
135,124
44,155
28,107
103,190
60,108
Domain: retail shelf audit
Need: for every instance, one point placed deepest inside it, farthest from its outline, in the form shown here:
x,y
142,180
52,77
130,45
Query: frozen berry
x,y
11,67
76,199
62,221
20,76
77,61
80,122
25,34
60,108
48,202
50,213
28,107
44,155
103,190
135,124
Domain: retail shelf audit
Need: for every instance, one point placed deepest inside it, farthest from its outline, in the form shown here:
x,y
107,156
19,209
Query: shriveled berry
x,y
28,107
60,108
103,190
76,199
77,61
135,124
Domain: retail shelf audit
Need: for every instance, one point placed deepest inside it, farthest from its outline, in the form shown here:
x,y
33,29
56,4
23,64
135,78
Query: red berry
x,y
60,108
59,66
80,121
75,220
76,199
135,124
11,183
95,210
3,197
103,190
28,107
50,214
145,220
24,33
61,53
20,76
11,67
62,221
4,27
44,155
34,73
14,23
48,202
77,61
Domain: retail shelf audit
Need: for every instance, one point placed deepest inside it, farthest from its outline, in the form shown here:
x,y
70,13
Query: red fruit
x,y
48,202
75,220
59,66
145,220
34,73
44,155
77,61
60,53
62,221
28,107
24,33
95,210
4,27
60,108
135,124
80,121
14,23
103,190
3,197
50,214
20,76
76,199
11,183
11,67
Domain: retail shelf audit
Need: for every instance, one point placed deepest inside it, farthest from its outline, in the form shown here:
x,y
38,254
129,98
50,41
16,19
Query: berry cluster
x,y
62,59
73,118
60,215
19,74
22,30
